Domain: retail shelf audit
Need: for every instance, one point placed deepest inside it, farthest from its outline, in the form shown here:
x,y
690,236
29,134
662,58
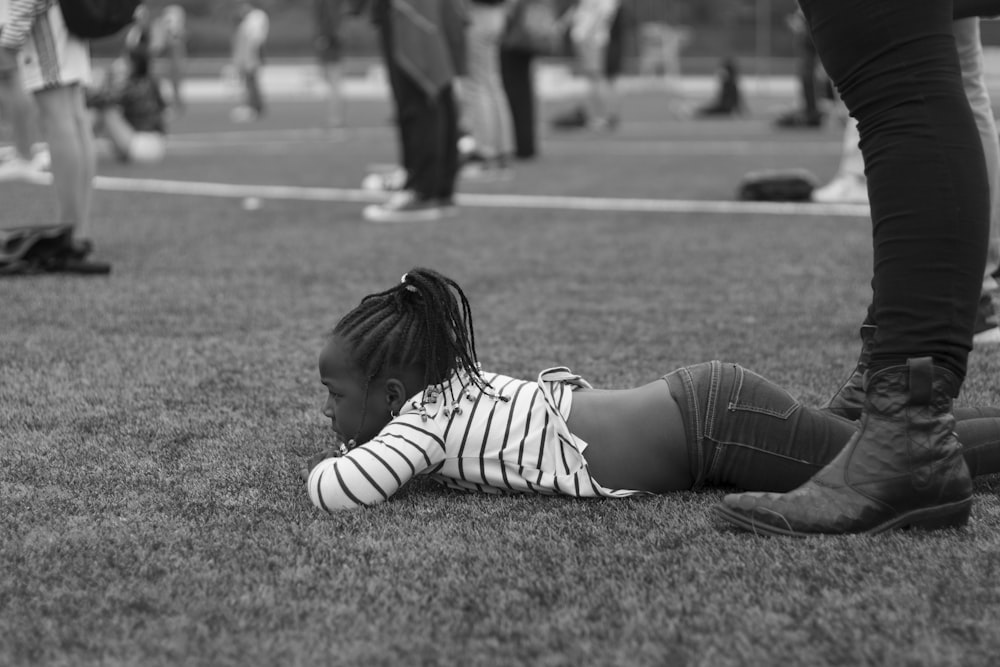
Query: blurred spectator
x,y
517,58
55,71
809,115
660,46
21,163
423,47
596,32
129,111
729,98
249,38
486,108
329,15
170,42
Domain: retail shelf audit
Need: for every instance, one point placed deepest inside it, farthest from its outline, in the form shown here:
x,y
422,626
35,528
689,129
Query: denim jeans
x,y
486,105
895,65
745,431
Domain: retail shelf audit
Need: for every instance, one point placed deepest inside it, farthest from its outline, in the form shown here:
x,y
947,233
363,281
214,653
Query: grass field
x,y
152,422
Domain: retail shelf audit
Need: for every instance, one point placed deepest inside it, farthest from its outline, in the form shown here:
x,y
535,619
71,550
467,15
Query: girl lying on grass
x,y
407,395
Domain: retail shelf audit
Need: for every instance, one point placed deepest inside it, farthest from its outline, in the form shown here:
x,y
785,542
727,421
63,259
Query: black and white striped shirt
x,y
472,440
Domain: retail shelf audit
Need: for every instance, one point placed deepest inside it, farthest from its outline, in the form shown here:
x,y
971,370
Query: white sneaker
x,y
405,207
842,190
19,169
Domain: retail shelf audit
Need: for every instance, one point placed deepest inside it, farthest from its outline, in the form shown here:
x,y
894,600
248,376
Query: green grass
x,y
152,422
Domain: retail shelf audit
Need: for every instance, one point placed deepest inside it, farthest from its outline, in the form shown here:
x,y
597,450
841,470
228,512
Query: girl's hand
x,y
316,459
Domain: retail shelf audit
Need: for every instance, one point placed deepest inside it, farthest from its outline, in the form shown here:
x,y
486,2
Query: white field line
x,y
476,200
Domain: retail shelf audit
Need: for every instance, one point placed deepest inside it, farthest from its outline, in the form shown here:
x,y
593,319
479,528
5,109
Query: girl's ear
x,y
395,395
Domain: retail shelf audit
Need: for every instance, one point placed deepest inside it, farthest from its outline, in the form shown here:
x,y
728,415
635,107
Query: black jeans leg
x,y
515,72
896,67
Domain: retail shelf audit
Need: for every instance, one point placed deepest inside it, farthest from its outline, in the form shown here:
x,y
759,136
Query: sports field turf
x,y
152,422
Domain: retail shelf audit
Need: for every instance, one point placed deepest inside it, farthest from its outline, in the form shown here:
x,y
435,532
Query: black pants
x,y
428,129
515,72
896,67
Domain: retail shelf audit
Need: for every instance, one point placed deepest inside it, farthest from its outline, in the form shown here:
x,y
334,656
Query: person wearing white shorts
x,y
55,66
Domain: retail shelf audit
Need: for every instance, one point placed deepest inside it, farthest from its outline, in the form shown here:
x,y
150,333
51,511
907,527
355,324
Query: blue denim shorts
x,y
745,431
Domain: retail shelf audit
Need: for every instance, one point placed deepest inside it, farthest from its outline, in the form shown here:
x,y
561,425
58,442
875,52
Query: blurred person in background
x,y
55,67
596,32
423,48
129,110
484,101
170,43
249,38
21,162
329,52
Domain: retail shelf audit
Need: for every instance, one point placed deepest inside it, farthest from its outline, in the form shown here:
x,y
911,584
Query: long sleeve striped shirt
x,y
513,439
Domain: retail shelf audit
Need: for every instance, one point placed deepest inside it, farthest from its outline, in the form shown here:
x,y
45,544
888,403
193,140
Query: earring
x,y
393,413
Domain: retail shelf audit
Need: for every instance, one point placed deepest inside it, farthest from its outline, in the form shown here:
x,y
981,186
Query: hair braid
x,y
426,320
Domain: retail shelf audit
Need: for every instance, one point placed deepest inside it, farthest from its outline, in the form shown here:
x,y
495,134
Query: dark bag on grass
x,y
777,185
45,249
533,26
94,19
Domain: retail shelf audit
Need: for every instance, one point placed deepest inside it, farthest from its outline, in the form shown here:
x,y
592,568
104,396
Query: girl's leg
x,y
747,432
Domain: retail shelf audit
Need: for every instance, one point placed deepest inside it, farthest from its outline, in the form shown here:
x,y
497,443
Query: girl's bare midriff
x,y
635,437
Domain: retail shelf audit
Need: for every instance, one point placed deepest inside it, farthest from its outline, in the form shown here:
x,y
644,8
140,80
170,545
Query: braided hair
x,y
423,321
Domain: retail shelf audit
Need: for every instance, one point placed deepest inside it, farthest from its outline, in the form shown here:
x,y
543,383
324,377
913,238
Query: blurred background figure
x,y
729,96
329,52
249,38
423,48
808,114
55,66
485,105
596,32
660,46
21,162
170,44
129,111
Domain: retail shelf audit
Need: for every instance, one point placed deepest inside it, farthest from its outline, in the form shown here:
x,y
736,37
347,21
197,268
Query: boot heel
x,y
954,515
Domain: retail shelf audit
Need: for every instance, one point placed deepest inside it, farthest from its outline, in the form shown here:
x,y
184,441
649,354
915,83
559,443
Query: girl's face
x,y
356,413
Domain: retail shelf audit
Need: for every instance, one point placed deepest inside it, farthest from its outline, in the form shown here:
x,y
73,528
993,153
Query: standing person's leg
x,y
897,69
516,73
67,130
970,56
487,112
254,98
16,106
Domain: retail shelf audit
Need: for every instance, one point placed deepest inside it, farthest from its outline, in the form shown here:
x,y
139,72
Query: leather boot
x,y
902,468
850,398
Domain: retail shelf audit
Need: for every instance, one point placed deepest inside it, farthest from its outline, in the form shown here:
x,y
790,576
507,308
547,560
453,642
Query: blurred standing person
x,y
596,32
517,77
55,66
249,38
329,51
170,42
809,115
483,95
423,47
17,109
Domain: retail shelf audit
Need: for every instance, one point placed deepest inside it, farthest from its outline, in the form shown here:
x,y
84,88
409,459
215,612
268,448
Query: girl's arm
x,y
21,16
372,473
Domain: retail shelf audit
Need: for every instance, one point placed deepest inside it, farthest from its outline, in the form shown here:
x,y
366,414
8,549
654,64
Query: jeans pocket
x,y
755,393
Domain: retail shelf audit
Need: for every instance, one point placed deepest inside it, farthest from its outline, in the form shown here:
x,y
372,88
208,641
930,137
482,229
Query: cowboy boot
x,y
902,468
850,398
